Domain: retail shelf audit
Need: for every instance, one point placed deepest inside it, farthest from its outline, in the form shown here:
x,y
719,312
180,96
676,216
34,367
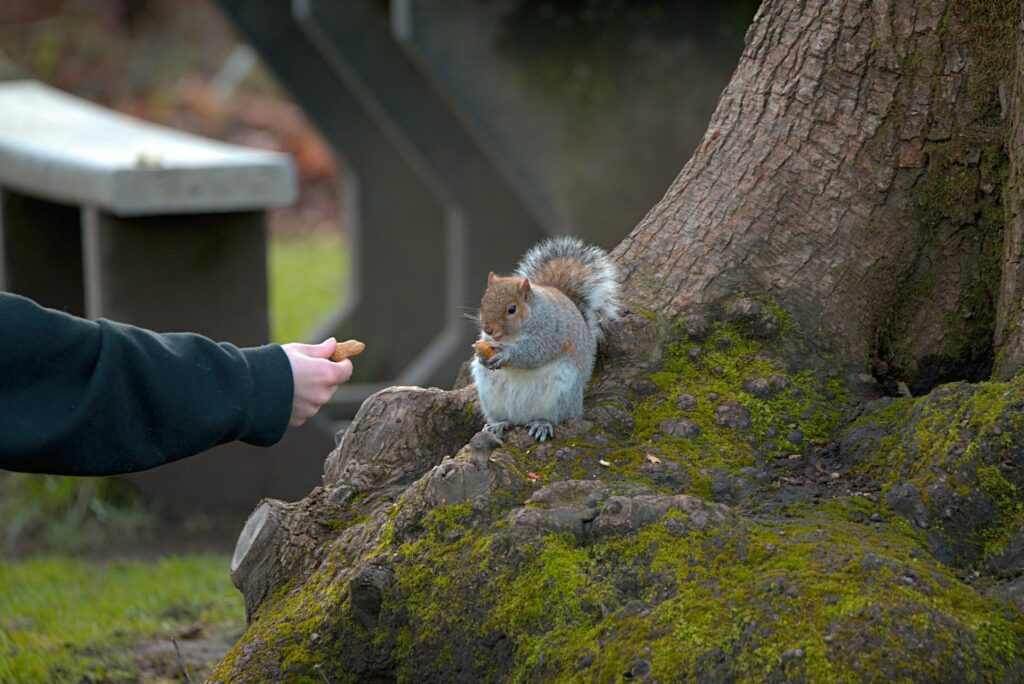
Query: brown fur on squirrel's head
x,y
505,305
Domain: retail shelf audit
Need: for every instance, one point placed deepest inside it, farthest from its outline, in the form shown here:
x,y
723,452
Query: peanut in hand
x,y
347,349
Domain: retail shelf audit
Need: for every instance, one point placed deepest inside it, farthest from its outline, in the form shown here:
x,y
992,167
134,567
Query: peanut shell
x,y
347,349
485,349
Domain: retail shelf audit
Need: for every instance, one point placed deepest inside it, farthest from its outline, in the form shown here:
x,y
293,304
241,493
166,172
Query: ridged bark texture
x,y
853,171
1009,331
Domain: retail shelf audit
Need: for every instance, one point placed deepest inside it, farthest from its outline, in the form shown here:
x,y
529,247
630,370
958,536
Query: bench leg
x,y
204,273
41,251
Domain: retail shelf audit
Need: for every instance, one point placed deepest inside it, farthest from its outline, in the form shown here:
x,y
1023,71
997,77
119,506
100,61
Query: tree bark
x,y
1009,329
853,171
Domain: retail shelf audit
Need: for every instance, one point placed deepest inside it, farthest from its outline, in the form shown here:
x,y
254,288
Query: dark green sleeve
x,y
82,397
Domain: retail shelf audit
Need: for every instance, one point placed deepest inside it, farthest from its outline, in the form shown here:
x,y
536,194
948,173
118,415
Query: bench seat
x,y
62,148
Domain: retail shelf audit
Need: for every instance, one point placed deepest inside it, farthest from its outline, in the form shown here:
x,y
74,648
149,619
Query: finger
x,y
325,372
325,348
317,351
342,371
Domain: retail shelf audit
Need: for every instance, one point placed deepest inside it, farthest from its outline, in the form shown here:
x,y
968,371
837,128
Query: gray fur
x,y
538,376
600,292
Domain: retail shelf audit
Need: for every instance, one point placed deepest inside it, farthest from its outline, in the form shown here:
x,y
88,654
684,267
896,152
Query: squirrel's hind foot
x,y
496,428
540,430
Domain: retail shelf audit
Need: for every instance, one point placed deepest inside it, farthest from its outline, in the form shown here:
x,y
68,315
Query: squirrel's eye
x,y
511,309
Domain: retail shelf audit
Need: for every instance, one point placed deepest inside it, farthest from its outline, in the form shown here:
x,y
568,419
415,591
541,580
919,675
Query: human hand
x,y
316,378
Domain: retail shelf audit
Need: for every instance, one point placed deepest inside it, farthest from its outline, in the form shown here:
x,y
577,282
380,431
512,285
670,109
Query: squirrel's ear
x,y
524,289
491,277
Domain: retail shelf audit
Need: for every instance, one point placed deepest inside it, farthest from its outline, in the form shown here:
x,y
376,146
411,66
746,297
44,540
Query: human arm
x,y
98,398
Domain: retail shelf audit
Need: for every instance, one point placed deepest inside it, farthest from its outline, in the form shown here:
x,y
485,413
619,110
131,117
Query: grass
x,y
74,620
307,276
68,514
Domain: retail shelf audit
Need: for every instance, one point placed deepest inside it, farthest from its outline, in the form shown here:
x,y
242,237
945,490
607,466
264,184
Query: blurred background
x,y
433,142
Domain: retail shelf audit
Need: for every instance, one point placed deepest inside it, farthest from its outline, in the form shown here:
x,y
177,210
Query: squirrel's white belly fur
x,y
519,396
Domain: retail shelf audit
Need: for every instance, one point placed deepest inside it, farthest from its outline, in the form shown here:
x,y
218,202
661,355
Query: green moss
x,y
1009,500
777,596
351,513
991,35
824,591
387,537
946,427
552,592
299,631
430,574
955,439
754,591
949,192
808,403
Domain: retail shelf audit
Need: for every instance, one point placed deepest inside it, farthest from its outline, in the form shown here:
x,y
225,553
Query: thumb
x,y
317,351
324,349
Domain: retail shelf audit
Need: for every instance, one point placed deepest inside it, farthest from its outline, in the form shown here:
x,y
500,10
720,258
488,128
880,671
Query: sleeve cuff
x,y
273,389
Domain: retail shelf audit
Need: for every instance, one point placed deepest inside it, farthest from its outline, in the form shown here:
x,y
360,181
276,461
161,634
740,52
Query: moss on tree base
x,y
742,544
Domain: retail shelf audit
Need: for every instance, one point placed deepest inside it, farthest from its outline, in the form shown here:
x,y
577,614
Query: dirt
x,y
160,660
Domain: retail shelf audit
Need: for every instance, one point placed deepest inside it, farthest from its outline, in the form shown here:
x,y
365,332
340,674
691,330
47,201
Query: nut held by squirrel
x,y
346,349
485,349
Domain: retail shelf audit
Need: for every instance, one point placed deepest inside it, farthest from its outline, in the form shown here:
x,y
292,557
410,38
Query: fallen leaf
x,y
792,456
653,459
605,463
532,476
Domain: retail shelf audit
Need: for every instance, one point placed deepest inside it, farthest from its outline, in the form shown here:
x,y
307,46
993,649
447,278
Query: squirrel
x,y
539,330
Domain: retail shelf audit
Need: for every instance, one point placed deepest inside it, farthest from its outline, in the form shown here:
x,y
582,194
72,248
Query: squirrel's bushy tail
x,y
583,272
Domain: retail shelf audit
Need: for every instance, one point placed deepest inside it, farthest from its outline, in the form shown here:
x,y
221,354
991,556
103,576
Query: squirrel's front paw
x,y
540,430
496,361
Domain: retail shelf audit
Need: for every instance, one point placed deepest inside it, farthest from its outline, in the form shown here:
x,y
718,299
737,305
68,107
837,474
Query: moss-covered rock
x,y
952,462
820,594
629,548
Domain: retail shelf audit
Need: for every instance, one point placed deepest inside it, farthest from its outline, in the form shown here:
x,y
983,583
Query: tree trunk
x,y
854,172
730,507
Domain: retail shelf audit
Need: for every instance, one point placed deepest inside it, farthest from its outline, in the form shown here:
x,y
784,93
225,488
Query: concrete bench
x,y
105,215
